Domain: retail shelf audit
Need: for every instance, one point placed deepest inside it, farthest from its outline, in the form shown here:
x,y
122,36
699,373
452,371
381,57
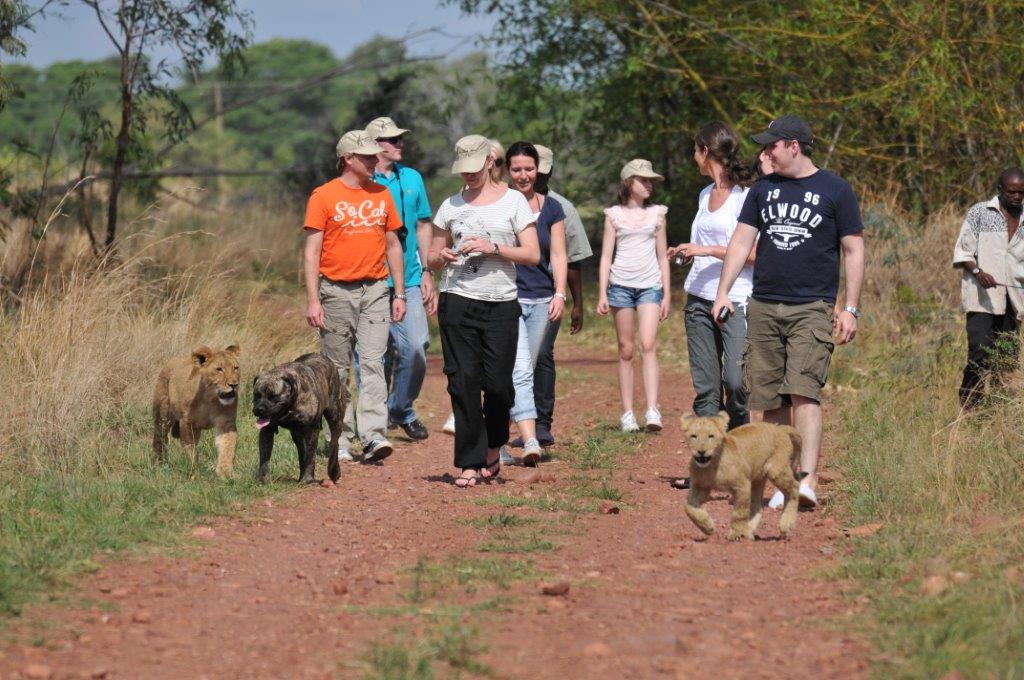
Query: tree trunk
x,y
121,154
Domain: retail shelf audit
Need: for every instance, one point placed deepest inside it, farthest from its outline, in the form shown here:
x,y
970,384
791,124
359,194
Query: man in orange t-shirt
x,y
351,231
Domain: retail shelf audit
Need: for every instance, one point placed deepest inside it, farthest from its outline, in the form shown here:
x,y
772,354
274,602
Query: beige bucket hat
x,y
547,159
471,154
359,142
383,128
638,167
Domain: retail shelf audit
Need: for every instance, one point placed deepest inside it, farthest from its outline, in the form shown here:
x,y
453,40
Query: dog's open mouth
x,y
262,423
702,460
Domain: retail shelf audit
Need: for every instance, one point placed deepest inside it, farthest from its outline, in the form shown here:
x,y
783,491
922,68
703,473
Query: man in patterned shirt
x,y
989,294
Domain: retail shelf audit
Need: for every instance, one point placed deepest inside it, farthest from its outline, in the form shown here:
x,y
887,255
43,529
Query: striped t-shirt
x,y
483,276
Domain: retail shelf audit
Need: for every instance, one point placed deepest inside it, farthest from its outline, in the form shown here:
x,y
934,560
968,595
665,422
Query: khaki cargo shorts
x,y
788,351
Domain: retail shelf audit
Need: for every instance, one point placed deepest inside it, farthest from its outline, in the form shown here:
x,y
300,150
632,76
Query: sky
x,y
72,32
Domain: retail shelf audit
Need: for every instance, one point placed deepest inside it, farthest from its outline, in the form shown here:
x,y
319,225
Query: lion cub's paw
x,y
741,535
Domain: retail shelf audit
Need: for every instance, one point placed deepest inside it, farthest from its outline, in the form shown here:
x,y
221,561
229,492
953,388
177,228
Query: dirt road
x,y
396,571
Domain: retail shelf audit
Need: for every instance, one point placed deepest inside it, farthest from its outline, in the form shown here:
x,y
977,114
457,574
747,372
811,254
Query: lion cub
x,y
740,462
197,393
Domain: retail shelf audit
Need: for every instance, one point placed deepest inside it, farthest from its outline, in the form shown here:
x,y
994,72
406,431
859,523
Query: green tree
x,y
195,30
921,99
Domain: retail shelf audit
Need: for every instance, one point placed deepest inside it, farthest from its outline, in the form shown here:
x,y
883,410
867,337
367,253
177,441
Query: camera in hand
x,y
723,314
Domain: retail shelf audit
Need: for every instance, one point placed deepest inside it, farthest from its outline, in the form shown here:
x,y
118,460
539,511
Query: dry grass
x,y
78,356
949,488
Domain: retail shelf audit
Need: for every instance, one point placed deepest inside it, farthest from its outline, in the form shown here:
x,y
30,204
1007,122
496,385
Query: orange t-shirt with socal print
x,y
354,222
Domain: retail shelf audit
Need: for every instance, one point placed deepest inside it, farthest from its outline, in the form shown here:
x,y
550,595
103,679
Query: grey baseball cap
x,y
786,127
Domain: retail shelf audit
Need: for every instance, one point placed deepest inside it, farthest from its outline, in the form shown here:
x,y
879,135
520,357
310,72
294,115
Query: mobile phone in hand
x,y
723,314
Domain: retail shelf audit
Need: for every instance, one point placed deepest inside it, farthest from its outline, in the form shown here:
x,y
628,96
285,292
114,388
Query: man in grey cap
x,y
577,249
805,217
406,359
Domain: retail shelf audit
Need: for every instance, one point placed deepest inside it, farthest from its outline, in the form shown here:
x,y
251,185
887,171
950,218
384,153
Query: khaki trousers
x,y
357,316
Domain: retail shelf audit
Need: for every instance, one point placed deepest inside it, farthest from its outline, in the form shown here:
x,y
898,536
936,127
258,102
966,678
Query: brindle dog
x,y
296,396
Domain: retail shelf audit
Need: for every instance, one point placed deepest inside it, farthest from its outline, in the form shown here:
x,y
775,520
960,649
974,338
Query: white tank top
x,y
715,229
636,256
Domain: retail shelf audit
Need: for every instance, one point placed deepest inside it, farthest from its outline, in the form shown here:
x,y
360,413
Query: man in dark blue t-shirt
x,y
801,217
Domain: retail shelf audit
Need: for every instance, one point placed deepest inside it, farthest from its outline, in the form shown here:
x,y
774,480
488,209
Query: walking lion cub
x,y
197,393
740,462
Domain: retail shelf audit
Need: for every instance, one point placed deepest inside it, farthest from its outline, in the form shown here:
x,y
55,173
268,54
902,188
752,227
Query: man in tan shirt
x,y
990,295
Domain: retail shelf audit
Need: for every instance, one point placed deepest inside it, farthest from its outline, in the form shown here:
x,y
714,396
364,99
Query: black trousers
x,y
992,345
544,379
478,340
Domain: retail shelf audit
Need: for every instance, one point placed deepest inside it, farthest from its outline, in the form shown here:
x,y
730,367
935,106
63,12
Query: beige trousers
x,y
357,316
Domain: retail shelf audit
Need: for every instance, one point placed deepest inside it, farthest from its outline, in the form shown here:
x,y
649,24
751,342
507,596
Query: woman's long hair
x,y
723,144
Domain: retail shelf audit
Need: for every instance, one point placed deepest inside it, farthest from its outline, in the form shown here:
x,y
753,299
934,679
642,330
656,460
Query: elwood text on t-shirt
x,y
801,221
354,222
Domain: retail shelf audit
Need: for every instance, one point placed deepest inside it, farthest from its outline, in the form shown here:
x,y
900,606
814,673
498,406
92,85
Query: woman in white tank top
x,y
634,275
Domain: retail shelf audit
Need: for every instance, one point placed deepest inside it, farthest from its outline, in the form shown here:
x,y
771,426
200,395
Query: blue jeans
x,y
533,326
405,362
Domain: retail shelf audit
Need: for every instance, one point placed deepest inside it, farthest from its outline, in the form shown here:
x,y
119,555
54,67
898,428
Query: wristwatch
x,y
497,250
853,310
560,295
399,296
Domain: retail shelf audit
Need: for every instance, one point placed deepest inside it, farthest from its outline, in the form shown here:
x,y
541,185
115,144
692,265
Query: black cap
x,y
786,127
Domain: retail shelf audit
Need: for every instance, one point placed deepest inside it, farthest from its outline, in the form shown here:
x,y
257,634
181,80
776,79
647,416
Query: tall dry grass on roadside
x,y
88,337
79,352
947,486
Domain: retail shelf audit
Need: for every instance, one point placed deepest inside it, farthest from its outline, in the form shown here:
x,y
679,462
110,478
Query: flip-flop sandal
x,y
466,482
491,471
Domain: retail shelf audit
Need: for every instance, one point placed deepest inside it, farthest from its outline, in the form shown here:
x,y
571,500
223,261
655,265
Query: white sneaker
x,y
449,425
506,457
531,452
344,454
808,499
653,418
629,423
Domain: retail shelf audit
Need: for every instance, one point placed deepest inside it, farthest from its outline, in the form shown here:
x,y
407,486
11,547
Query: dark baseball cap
x,y
786,127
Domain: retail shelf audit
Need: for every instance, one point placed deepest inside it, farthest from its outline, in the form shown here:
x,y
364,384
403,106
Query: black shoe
x,y
378,449
545,438
416,430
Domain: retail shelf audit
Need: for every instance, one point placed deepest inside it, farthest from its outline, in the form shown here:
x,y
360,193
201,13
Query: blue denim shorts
x,y
625,297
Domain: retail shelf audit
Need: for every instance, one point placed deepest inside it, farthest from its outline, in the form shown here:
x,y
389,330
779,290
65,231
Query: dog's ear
x,y
233,350
292,383
723,420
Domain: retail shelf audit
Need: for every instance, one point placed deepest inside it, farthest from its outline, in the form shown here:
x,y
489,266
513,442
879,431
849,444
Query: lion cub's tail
x,y
797,442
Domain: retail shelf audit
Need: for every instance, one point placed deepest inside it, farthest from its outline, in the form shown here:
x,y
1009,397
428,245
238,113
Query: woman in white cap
x,y
480,234
498,177
634,283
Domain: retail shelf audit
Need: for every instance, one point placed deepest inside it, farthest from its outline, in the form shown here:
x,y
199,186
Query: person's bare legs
x,y
624,333
648,322
805,416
